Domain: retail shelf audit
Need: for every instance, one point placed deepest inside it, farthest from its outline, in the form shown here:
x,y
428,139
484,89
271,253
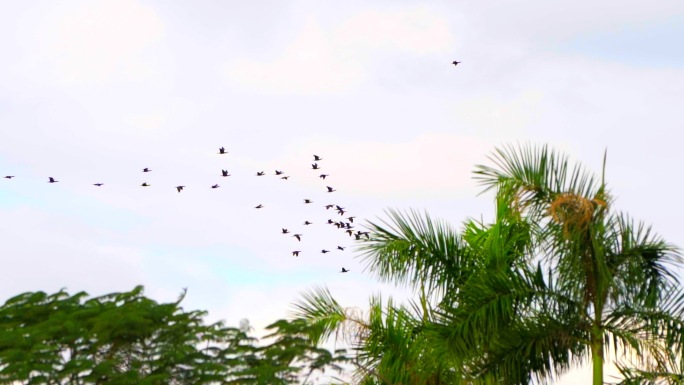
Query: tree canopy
x,y
127,338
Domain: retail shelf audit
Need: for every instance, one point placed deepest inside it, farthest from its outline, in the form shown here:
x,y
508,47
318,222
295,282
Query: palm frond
x,y
396,347
325,315
412,249
641,262
532,177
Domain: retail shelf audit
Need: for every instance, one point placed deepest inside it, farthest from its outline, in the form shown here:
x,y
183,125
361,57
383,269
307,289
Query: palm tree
x,y
556,280
609,281
390,345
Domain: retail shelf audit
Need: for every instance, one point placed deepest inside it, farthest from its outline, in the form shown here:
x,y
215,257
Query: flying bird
x,y
340,248
315,166
224,173
259,206
322,176
284,177
145,184
455,62
298,236
350,232
306,223
260,173
179,188
285,231
278,172
146,169
330,221
52,180
317,158
222,151
9,177
296,253
351,219
308,201
328,207
215,186
98,184
324,251
344,270
330,189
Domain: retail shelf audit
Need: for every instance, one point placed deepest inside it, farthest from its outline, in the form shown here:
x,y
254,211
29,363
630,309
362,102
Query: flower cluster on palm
x,y
558,279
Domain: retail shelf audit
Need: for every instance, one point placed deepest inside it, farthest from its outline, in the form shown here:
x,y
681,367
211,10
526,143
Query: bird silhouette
x,y
260,173
222,151
323,176
179,188
317,158
296,253
351,219
298,236
215,186
285,231
344,270
330,189
455,62
98,184
224,173
340,248
259,206
145,184
146,169
306,223
340,211
9,176
308,201
357,237
328,207
350,232
315,166
324,251
330,221
52,180
278,172
284,177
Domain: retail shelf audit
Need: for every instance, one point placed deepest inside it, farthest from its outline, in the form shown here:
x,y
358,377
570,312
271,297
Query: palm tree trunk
x,y
597,357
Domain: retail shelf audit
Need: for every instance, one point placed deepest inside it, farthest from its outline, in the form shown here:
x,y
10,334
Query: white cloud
x,y
152,122
336,60
310,65
97,41
431,165
416,30
538,20
490,113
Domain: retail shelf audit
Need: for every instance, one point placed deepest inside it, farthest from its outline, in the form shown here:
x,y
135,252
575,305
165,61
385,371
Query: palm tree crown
x,y
557,279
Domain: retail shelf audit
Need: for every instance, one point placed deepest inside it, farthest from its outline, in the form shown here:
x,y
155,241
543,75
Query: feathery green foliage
x,y
126,338
557,280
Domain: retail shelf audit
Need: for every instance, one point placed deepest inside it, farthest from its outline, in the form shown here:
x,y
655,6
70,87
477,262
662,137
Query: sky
x,y
94,91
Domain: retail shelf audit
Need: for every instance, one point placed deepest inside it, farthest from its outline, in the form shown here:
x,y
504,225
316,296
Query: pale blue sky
x,y
95,91
649,44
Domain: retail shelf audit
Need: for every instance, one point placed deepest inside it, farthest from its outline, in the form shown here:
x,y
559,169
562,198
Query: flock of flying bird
x,y
346,226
